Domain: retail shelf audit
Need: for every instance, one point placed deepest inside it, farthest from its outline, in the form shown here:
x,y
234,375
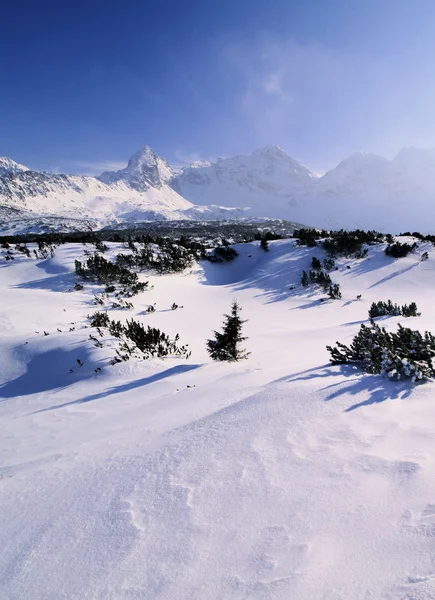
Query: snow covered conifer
x,y
226,345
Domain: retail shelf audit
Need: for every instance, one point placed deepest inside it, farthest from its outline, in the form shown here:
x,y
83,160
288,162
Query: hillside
x,y
277,477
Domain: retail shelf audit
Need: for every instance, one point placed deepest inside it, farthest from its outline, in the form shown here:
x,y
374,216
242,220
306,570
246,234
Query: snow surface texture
x,y
365,191
274,478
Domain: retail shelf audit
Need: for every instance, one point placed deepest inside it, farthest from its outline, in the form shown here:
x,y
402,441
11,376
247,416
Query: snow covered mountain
x,y
364,190
140,192
10,167
144,170
266,181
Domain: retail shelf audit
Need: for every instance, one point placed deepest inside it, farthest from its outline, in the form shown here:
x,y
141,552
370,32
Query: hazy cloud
x,y
187,157
84,167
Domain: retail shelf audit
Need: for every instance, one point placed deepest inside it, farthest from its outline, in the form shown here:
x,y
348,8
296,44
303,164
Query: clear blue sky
x,y
86,84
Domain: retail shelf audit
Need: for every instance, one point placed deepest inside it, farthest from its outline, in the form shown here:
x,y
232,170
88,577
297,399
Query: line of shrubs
x,y
381,309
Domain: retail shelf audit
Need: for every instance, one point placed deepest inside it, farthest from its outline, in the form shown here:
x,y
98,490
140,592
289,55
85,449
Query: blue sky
x,y
86,84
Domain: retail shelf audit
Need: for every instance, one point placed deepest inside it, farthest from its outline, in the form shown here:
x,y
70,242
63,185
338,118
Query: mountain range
x,y
364,190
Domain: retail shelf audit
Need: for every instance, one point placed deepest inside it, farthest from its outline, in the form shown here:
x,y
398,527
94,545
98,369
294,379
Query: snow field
x,y
276,477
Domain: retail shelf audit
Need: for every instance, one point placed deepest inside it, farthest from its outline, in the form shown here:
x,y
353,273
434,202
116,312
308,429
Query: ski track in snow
x,y
278,477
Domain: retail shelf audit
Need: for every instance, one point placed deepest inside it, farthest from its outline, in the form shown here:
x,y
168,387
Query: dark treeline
x,y
236,231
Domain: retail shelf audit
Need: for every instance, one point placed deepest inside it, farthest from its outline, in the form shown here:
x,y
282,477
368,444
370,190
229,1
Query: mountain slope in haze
x,y
364,190
265,181
369,191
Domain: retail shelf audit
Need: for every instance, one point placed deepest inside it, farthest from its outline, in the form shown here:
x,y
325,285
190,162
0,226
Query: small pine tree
x,y
334,291
305,280
328,264
264,244
315,263
226,345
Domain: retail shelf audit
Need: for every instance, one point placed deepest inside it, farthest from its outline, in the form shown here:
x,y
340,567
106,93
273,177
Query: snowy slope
x,y
73,195
278,477
10,167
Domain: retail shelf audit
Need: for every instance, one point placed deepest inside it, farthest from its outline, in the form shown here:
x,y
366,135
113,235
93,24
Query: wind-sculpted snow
x,y
277,477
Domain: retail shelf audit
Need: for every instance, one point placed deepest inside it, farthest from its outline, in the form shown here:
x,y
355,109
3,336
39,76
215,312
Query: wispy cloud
x,y
84,167
186,157
280,80
322,103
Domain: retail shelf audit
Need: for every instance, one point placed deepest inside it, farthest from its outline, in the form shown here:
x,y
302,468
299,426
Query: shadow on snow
x,y
125,387
356,382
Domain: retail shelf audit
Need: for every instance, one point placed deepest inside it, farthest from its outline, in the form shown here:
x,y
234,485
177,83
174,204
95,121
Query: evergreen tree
x,y
315,263
334,291
226,345
264,244
305,279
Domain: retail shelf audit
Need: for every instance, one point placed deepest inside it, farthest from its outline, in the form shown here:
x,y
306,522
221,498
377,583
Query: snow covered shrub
x,y
399,250
152,342
226,344
307,237
350,243
222,254
381,309
399,355
100,319
23,249
97,268
334,291
410,310
424,256
100,246
328,264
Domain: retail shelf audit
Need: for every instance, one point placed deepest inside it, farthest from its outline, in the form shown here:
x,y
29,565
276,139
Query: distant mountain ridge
x,y
364,190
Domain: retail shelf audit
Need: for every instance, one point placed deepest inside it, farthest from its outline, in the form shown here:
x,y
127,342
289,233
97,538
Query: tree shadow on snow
x,y
125,387
374,388
51,267
395,274
49,371
62,282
